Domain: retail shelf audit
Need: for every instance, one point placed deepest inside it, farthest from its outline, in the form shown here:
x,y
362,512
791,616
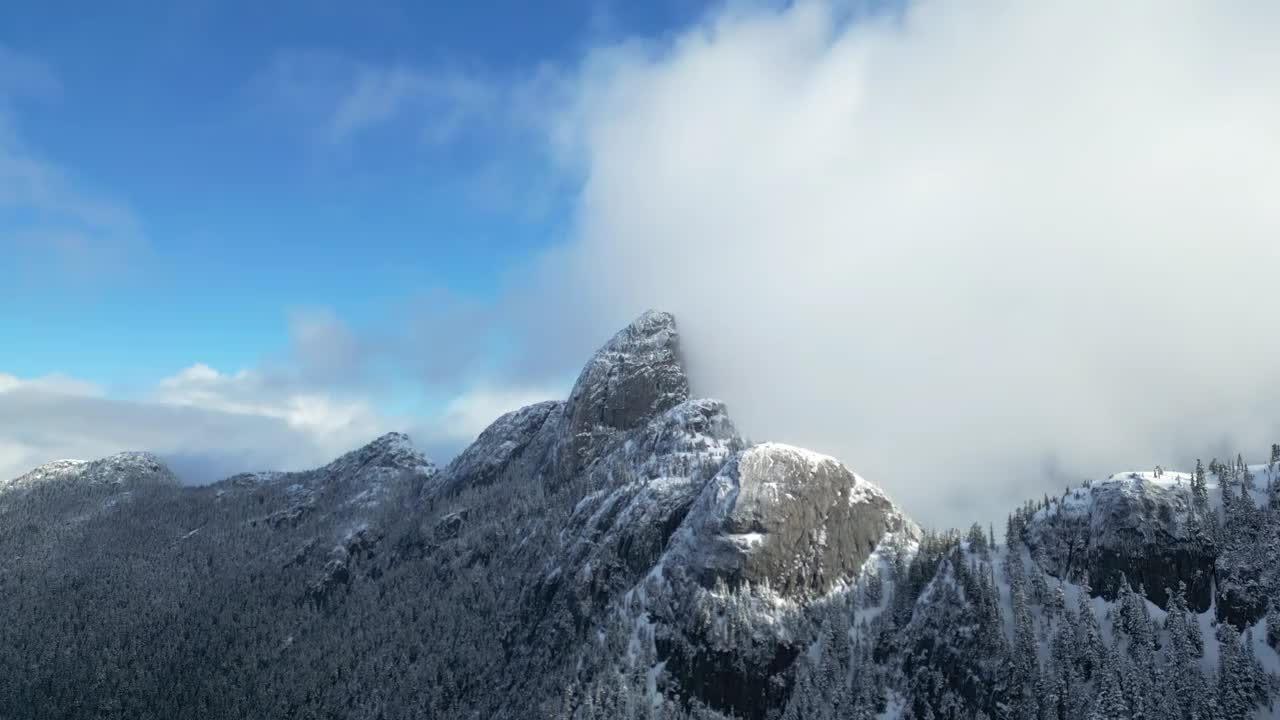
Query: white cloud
x,y
326,417
970,250
468,414
210,424
55,383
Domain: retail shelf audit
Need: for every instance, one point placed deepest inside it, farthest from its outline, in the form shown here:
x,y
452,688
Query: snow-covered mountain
x,y
626,553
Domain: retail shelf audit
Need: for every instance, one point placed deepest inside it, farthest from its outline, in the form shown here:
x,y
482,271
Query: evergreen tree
x,y
977,540
1241,686
1185,641
1200,487
1273,627
1089,646
1110,703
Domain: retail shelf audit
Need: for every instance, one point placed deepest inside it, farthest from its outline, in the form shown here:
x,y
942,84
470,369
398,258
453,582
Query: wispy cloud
x,y
213,424
47,217
341,97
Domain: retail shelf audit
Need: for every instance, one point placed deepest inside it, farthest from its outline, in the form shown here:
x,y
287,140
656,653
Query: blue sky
x,y
209,125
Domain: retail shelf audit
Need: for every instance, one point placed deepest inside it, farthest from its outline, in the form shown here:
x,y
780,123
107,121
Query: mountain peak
x,y
392,451
634,378
121,468
649,323
392,441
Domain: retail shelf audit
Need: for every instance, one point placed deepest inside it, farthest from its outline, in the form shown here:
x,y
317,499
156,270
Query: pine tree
x,y
1240,685
1253,678
977,540
1026,670
1063,652
1183,628
1089,647
1273,627
873,590
1200,487
1135,621
1110,703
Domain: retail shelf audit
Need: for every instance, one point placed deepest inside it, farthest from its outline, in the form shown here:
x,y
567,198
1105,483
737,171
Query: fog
x,y
976,250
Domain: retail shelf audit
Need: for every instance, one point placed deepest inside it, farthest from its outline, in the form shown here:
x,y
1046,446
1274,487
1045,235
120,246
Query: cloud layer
x,y
975,250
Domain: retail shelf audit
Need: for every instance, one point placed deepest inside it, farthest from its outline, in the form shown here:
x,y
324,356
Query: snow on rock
x,y
811,522
1143,528
636,376
126,469
647,483
393,452
498,448
775,539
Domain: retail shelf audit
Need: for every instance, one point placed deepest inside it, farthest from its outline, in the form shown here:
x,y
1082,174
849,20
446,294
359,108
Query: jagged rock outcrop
x,y
794,520
775,531
647,484
1129,528
633,378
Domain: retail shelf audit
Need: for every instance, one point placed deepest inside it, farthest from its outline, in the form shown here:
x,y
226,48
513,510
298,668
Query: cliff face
x,y
787,518
1151,532
1133,528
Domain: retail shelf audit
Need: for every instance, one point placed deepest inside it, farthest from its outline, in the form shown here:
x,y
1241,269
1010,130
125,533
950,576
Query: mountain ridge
x,y
627,553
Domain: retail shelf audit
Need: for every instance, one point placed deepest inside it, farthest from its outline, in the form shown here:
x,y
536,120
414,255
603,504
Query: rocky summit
x,y
625,553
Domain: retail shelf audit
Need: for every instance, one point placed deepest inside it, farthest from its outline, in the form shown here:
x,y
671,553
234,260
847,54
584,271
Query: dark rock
x,y
632,379
792,519
1128,529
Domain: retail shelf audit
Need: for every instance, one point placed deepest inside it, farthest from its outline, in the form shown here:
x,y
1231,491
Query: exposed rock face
x,y
1133,528
647,484
792,519
633,378
777,526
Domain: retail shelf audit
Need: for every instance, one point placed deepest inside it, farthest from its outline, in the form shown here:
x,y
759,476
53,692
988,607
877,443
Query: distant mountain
x,y
626,554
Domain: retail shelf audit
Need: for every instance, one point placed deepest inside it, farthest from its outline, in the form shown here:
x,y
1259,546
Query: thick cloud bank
x,y
975,250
